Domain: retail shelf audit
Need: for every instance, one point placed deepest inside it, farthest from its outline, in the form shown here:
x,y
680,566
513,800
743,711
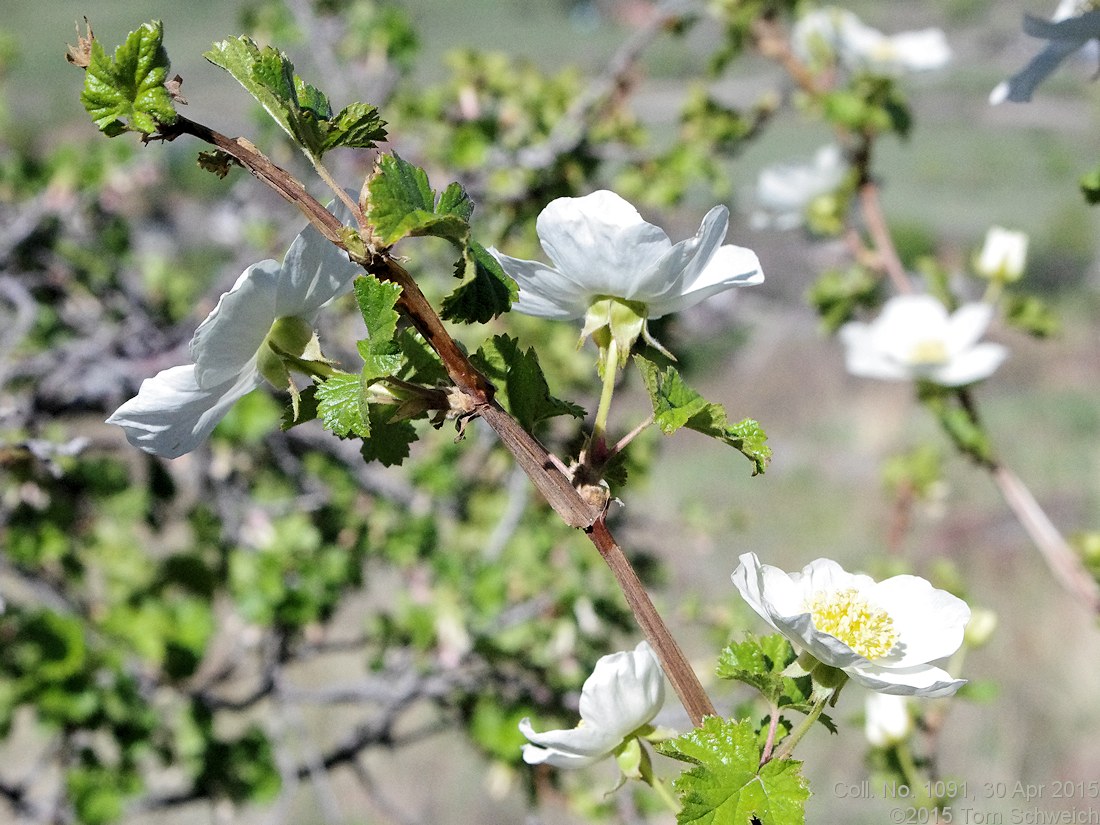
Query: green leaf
x,y
400,203
838,294
677,405
217,162
381,355
727,786
389,441
126,92
268,75
302,110
486,295
958,422
1032,315
759,663
357,126
521,385
244,769
340,406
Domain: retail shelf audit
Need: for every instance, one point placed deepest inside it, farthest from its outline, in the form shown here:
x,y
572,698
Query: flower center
x,y
929,352
847,616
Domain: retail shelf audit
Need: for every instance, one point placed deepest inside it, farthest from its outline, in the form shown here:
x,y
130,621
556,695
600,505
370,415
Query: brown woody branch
x,y
546,473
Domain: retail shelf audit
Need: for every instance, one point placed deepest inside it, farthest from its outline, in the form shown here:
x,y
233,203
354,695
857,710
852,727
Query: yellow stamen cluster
x,y
928,352
844,614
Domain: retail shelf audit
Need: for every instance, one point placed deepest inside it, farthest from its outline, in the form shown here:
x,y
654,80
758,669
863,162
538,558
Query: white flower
x,y
1003,255
882,634
857,46
887,719
607,260
1075,26
622,695
915,338
270,303
784,191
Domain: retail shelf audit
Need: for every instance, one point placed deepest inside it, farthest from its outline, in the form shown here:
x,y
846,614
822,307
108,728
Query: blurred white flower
x,y
271,307
611,267
1003,255
915,338
887,719
619,699
833,32
785,190
882,634
1074,26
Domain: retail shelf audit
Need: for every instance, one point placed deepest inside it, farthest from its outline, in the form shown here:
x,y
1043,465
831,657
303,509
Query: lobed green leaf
x,y
390,440
676,405
401,204
340,406
303,111
521,385
381,355
488,293
126,93
727,785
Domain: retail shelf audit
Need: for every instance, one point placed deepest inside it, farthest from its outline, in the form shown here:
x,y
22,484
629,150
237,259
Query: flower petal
x,y
822,646
601,242
753,580
624,692
681,264
171,414
862,357
920,680
966,326
928,620
888,720
543,291
314,271
730,266
905,321
570,748
919,51
228,339
974,365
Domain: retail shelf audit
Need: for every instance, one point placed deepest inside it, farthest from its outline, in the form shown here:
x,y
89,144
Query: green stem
x,y
912,775
338,190
665,794
788,744
993,292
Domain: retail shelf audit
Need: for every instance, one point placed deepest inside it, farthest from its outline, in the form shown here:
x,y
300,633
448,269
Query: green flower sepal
x,y
614,320
291,344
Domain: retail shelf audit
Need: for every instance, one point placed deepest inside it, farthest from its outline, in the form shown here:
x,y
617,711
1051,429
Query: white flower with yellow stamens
x,y
881,634
914,337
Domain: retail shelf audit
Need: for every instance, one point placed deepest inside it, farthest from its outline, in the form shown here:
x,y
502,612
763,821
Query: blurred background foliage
x,y
271,630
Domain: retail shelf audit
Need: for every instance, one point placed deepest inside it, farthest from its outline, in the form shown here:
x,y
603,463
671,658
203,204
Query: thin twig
x,y
875,220
1063,562
772,42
